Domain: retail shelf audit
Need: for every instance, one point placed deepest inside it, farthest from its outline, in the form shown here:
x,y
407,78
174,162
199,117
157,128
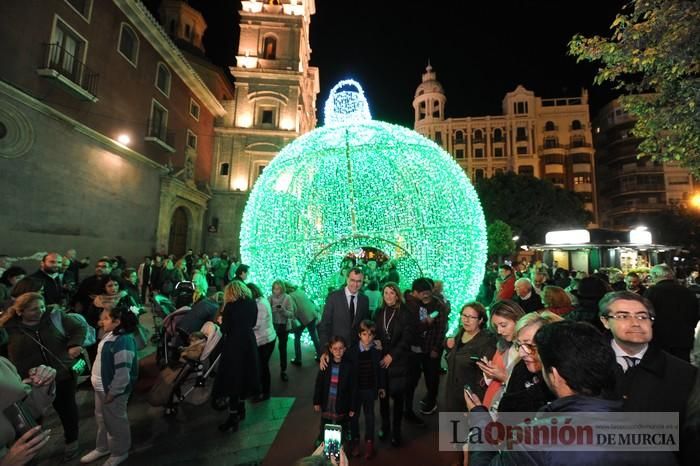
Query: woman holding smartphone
x,y
504,315
471,344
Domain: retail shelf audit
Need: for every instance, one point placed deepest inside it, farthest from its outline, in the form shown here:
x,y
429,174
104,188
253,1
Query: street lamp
x,y
695,201
124,139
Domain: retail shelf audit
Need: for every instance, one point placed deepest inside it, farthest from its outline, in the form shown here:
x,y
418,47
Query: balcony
x,y
551,169
581,168
158,135
66,69
552,149
583,188
551,159
637,207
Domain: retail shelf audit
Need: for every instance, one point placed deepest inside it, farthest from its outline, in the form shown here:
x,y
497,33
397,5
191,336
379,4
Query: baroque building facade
x,y
546,138
115,128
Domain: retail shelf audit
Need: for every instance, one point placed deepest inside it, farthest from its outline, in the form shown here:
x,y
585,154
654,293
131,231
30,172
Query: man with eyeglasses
x,y
648,378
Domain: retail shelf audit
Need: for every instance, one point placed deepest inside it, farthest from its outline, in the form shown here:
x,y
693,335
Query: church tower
x,y
274,103
184,24
429,101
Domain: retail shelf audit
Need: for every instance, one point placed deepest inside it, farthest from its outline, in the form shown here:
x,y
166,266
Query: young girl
x,y
335,389
113,375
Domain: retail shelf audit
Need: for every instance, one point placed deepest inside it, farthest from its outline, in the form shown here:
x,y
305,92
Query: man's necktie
x,y
631,361
352,308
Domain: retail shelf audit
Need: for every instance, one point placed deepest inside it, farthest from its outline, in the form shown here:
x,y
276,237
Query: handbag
x,y
81,364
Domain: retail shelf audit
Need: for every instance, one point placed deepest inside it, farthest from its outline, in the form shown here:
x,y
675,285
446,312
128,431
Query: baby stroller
x,y
191,382
167,334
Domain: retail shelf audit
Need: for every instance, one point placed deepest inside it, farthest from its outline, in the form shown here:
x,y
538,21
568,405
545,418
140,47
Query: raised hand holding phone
x,y
471,398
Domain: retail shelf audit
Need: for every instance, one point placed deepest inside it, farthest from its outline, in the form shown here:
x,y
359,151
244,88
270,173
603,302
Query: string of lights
x,y
411,201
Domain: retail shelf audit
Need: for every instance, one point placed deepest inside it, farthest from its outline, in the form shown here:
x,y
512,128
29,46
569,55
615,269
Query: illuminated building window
x,y
269,48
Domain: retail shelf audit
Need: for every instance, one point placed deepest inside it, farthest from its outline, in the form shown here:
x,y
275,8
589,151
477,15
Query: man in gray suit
x,y
343,312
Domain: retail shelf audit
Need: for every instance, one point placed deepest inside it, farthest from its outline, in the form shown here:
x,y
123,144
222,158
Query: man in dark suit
x,y
343,312
676,312
648,378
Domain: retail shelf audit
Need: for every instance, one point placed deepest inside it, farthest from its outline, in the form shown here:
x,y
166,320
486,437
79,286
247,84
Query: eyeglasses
x,y
468,317
625,316
529,348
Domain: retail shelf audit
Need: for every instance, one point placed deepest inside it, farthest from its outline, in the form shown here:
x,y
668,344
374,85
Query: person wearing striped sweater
x,y
113,376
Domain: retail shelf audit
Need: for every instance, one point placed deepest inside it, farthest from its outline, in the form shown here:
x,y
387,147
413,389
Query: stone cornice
x,y
179,188
257,132
106,142
156,36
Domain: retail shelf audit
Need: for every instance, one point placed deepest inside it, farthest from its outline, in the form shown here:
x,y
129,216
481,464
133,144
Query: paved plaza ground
x,y
275,433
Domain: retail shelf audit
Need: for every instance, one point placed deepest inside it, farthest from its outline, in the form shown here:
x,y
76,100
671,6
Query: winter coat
x,y
396,341
25,352
304,309
663,383
524,391
539,456
676,315
347,393
238,372
462,370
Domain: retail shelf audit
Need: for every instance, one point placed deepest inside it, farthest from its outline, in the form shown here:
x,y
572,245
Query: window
x,y
188,31
581,158
498,152
678,180
261,169
459,137
479,152
549,126
436,109
191,140
550,143
521,150
576,125
128,44
520,107
521,134
438,137
82,7
158,122
582,179
266,116
527,170
478,174
269,48
67,52
497,135
223,170
578,141
478,136
194,109
459,154
163,79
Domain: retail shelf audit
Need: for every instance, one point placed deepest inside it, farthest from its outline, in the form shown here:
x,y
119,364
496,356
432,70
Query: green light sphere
x,y
358,183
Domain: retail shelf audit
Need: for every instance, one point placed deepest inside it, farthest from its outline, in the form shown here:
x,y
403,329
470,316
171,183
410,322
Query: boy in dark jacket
x,y
370,382
334,392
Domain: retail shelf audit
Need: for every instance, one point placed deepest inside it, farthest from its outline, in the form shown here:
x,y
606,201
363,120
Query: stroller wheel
x,y
170,410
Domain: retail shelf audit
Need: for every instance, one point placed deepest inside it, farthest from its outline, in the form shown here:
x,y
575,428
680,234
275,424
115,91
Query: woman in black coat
x,y
395,329
237,377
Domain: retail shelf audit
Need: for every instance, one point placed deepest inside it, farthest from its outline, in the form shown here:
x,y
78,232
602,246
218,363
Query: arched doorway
x,y
177,243
322,272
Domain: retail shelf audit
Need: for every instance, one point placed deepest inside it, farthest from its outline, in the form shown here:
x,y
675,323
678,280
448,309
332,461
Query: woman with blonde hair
x,y
237,377
283,310
33,340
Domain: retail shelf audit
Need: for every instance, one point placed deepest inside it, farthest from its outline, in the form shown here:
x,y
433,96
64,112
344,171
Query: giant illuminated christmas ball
x,y
358,184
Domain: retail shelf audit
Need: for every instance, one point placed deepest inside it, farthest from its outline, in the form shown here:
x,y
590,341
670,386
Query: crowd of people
x,y
508,354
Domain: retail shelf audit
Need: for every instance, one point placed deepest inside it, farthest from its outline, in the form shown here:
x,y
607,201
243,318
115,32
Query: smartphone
x,y
475,358
434,314
332,441
468,391
20,418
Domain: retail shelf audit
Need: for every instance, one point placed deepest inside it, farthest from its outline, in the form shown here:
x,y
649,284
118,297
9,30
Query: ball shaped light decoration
x,y
358,184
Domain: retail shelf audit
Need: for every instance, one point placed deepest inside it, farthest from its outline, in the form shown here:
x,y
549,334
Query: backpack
x,y
90,334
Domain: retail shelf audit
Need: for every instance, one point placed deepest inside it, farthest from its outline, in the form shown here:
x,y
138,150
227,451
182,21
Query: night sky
x,y
480,50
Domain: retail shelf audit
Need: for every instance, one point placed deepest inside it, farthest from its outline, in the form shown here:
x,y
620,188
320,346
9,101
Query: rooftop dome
x,y
430,83
358,183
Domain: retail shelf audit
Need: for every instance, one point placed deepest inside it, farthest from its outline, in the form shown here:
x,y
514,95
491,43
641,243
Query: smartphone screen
x,y
433,315
332,437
